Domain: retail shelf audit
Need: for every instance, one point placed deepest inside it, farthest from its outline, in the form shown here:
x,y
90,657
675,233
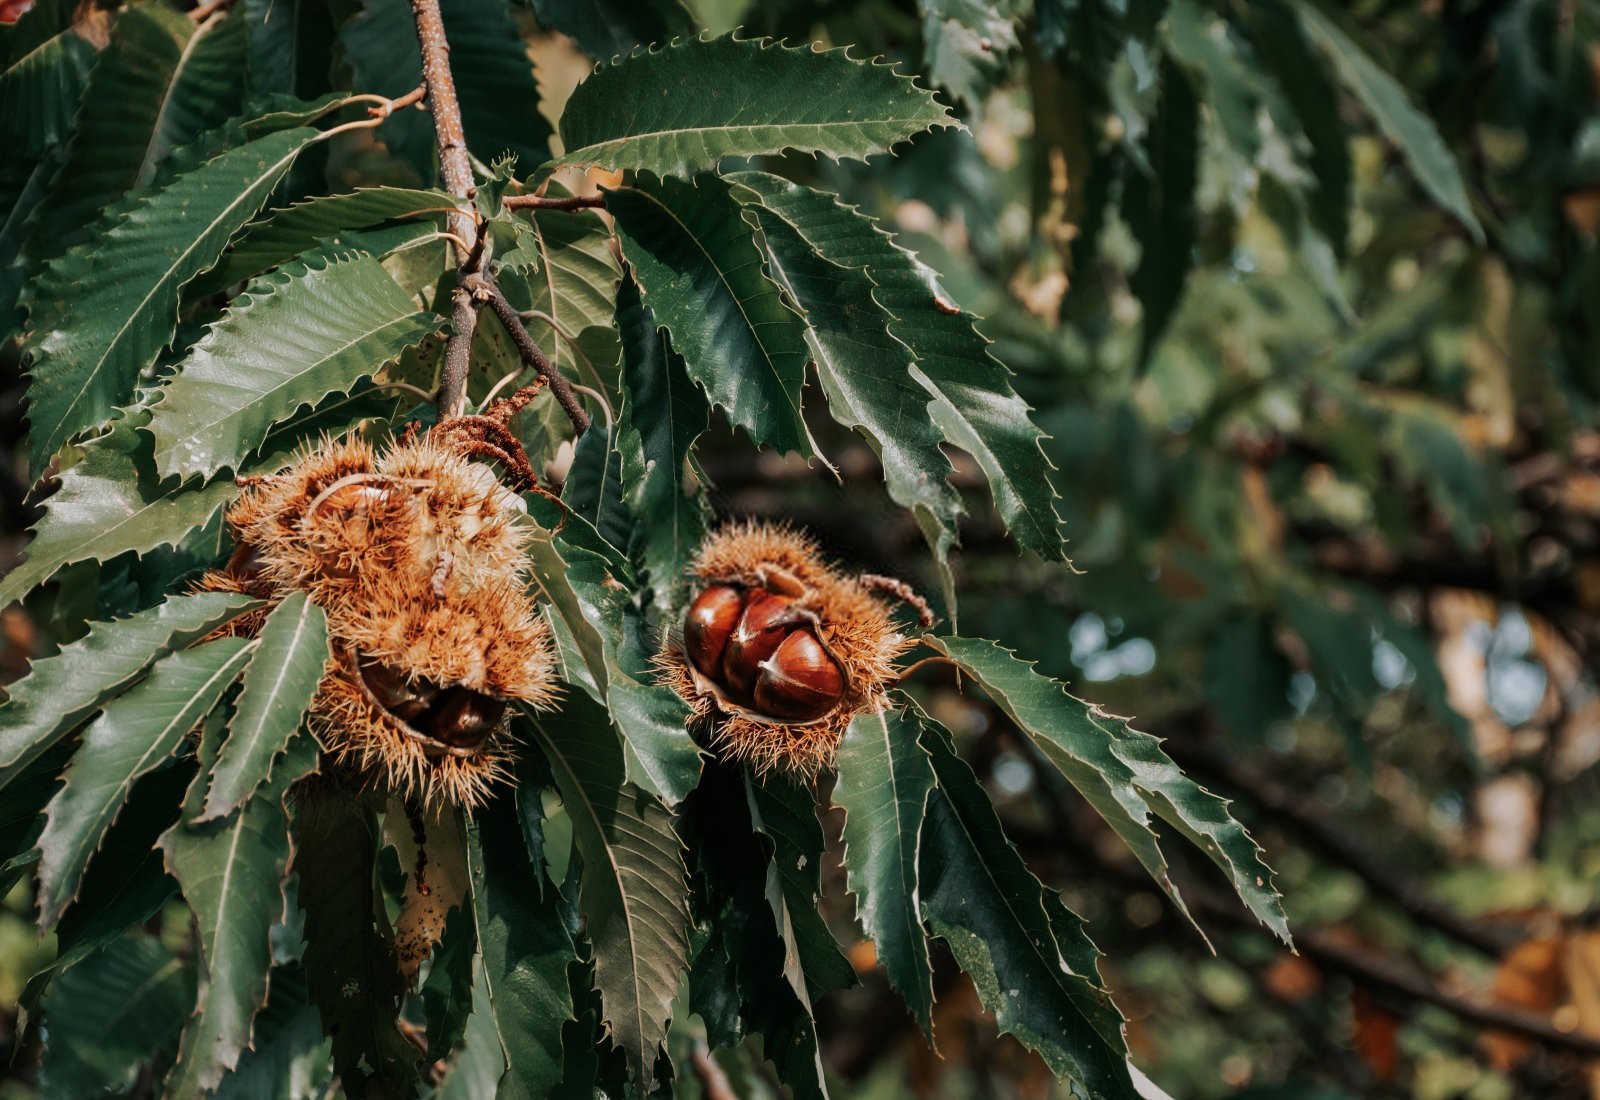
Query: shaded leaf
x,y
105,507
659,111
291,340
351,970
981,898
786,812
1122,773
575,286
699,267
632,891
291,1059
662,415
113,1014
822,253
965,44
135,732
884,779
283,674
42,81
1160,205
525,950
1384,98
232,874
453,985
61,691
103,310
972,402
593,488
605,28
286,233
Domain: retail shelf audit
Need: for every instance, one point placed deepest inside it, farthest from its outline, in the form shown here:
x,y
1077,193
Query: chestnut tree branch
x,y
541,202
530,353
456,169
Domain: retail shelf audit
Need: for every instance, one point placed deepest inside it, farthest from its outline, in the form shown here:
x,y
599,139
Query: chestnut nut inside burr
x,y
762,652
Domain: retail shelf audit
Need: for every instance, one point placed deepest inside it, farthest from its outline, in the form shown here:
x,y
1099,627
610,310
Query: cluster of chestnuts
x,y
778,650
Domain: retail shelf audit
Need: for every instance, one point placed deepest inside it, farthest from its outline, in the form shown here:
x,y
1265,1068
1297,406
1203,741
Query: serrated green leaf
x,y
493,79
291,340
972,404
616,647
700,269
821,252
479,1065
575,286
61,691
1123,774
105,506
291,1058
161,83
286,233
605,28
113,1014
682,108
593,488
966,43
1386,100
351,968
525,951
786,812
884,779
1283,49
981,898
135,732
1159,205
291,649
453,987
103,310
232,874
42,81
662,414
632,893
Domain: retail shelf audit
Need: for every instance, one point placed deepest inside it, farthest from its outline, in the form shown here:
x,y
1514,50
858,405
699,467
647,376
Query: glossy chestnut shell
x,y
455,716
762,652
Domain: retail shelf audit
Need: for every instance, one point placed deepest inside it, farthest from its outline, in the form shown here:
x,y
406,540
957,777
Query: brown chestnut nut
x,y
463,717
402,697
710,620
766,621
799,682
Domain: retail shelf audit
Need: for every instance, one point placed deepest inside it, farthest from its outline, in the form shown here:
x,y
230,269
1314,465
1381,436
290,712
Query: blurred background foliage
x,y
1304,296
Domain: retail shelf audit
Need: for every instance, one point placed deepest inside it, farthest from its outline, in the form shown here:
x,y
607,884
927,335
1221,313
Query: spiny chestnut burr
x,y
417,554
779,651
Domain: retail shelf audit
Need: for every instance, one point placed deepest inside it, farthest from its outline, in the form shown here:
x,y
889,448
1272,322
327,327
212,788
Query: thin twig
x,y
389,107
542,202
456,169
532,356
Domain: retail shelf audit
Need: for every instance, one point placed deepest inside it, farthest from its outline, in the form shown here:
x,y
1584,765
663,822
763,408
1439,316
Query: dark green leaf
x,y
786,812
593,488
575,287
103,310
700,270
966,43
451,987
884,780
981,898
525,951
135,732
659,111
632,892
1246,677
1386,100
232,873
823,253
1122,773
61,691
351,968
112,1014
106,507
284,671
662,415
290,1059
1160,205
972,401
41,84
291,340
605,28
